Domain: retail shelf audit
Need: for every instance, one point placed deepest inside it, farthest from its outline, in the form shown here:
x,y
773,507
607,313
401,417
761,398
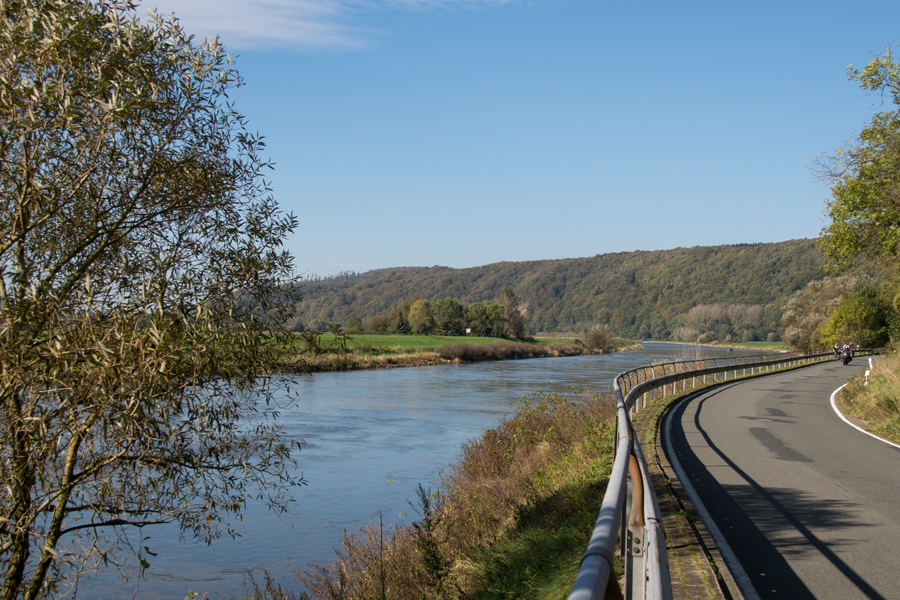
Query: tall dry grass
x,y
506,351
877,403
528,467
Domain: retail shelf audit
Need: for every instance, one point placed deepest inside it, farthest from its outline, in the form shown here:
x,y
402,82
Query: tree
x,y
513,313
600,338
143,292
485,319
865,178
861,318
400,319
378,324
809,309
354,325
420,318
449,317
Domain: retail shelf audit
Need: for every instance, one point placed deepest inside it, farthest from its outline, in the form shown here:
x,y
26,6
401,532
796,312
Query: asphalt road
x,y
809,505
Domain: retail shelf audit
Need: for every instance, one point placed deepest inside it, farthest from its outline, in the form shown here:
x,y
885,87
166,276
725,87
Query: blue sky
x,y
467,132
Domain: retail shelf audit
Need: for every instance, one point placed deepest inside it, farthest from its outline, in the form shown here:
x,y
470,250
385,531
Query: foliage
x,y
354,325
629,292
378,325
400,319
724,322
340,339
449,317
862,318
865,178
140,253
486,319
600,339
807,311
420,318
847,308
513,313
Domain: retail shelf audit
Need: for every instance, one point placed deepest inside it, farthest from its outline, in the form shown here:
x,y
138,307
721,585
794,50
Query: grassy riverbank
x,y
878,403
511,519
329,352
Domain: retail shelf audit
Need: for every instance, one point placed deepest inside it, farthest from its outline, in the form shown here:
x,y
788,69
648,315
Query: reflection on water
x,y
369,437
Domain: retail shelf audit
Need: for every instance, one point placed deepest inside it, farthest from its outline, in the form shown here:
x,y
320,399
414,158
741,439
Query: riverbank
x,y
762,346
511,518
352,353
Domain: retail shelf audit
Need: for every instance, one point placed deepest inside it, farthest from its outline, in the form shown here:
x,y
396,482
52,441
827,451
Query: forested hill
x,y
637,294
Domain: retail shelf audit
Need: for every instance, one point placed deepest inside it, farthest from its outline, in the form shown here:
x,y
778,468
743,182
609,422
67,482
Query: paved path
x,y
809,505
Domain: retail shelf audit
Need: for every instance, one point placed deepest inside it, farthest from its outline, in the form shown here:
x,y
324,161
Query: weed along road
x,y
808,504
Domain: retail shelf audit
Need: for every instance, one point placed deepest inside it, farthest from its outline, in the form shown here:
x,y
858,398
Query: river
x,y
369,438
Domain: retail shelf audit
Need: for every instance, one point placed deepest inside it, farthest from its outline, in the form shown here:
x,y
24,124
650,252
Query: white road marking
x,y
850,423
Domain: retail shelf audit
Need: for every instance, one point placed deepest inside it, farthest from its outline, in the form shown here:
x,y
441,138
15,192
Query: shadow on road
x,y
763,526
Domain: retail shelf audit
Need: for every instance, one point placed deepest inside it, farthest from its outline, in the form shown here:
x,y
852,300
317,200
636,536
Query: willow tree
x,y
143,283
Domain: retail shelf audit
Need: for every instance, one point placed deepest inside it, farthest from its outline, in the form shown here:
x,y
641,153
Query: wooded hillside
x,y
637,294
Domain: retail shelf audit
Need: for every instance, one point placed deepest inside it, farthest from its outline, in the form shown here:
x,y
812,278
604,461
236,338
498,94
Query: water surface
x,y
369,437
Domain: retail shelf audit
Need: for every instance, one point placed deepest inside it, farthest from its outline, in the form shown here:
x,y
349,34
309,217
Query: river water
x,y
369,438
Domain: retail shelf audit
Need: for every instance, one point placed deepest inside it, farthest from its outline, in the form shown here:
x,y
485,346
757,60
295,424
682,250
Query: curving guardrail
x,y
638,524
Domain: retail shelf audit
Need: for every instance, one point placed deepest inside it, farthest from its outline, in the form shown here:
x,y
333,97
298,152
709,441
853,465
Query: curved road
x,y
809,505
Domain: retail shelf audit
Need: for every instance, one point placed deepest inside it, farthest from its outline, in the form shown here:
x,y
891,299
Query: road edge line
x,y
837,410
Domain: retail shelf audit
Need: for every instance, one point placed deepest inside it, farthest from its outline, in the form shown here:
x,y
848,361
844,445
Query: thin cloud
x,y
310,24
267,23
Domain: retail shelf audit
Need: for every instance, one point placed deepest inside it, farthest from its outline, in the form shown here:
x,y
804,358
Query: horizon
x,y
470,132
359,273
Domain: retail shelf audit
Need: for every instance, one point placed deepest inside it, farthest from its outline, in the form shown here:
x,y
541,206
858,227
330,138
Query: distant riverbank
x,y
360,352
762,346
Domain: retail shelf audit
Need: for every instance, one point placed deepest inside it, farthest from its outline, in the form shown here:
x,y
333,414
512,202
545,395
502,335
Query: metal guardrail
x,y
638,524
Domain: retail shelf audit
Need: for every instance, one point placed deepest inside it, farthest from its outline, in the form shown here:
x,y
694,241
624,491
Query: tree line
x,y
638,295
448,316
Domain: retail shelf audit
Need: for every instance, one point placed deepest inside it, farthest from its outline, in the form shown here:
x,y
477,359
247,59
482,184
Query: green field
x,y
764,345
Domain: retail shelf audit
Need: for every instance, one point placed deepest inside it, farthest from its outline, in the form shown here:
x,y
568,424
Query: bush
x,y
600,339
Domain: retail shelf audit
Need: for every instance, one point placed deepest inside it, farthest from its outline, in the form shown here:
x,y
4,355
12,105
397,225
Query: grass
x,y
368,351
511,519
408,343
777,346
763,345
878,403
413,343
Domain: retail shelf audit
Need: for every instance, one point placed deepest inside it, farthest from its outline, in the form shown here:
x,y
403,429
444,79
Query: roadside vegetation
x,y
878,402
511,518
859,303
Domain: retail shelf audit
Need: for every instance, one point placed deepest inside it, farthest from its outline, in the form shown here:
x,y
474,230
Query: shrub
x,y
600,339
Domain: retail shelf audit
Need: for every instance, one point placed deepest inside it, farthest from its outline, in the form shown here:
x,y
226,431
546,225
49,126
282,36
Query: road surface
x,y
809,505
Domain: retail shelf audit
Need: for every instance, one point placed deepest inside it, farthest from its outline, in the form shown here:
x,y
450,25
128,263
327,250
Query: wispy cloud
x,y
267,23
328,24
